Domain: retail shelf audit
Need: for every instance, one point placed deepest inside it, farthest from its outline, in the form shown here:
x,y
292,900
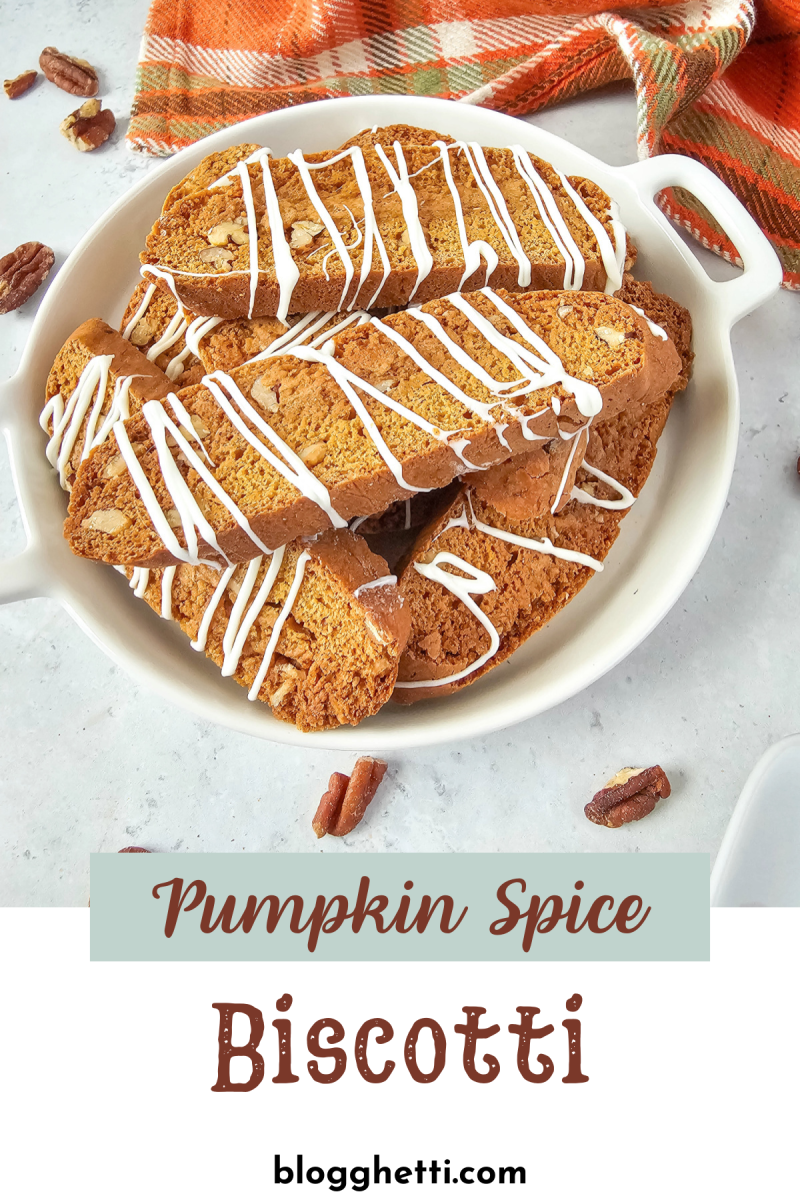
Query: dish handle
x,y
26,575
762,272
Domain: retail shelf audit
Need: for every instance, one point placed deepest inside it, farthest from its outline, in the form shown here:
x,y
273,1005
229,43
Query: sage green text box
x,y
128,922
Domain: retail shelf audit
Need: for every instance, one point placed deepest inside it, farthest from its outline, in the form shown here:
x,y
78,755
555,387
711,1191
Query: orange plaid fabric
x,y
716,80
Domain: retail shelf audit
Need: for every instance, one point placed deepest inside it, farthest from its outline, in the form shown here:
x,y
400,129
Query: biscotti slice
x,y
479,584
296,442
210,170
384,224
159,326
98,378
315,631
518,573
215,168
234,342
529,485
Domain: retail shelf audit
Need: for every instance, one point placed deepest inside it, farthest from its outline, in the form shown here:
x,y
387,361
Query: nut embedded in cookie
x,y
630,795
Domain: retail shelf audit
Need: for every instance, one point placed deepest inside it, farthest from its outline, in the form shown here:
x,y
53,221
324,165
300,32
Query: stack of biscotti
x,y
517,570
283,409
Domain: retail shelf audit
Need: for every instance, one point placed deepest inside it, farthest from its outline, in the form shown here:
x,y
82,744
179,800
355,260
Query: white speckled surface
x,y
88,761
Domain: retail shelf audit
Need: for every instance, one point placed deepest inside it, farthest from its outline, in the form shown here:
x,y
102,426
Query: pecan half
x,y
630,795
19,85
73,75
346,800
22,272
89,126
133,850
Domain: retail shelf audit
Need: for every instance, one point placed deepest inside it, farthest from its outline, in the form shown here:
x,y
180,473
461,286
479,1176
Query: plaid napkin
x,y
205,64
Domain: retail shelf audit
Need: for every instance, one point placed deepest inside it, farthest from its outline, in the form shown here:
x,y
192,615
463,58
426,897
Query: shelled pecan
x,y
89,126
346,800
73,75
19,85
22,272
630,795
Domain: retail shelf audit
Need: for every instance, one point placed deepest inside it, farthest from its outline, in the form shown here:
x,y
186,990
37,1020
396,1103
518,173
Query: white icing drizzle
x,y
286,269
575,439
538,367
610,255
167,579
384,581
478,583
252,238
176,329
243,614
278,626
472,251
626,497
294,471
346,379
242,618
67,419
227,178
339,246
541,546
499,210
205,624
656,330
574,262
141,310
587,396
408,201
192,518
139,580
195,332
357,523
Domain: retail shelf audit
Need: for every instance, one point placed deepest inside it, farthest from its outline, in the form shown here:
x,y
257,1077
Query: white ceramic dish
x,y
662,541
758,865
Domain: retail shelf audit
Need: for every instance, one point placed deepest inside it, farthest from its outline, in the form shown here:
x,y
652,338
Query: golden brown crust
x,y
530,484
179,239
92,338
531,587
311,410
208,171
337,655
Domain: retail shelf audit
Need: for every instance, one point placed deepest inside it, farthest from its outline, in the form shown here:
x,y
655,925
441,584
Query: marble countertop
x,y
90,761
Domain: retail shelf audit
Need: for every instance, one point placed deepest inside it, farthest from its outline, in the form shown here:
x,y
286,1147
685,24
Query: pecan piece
x,y
89,126
73,75
133,850
346,800
22,272
630,795
19,85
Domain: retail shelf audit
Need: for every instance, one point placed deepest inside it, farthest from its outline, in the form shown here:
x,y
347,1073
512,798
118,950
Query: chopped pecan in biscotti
x,y
630,795
346,800
22,272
